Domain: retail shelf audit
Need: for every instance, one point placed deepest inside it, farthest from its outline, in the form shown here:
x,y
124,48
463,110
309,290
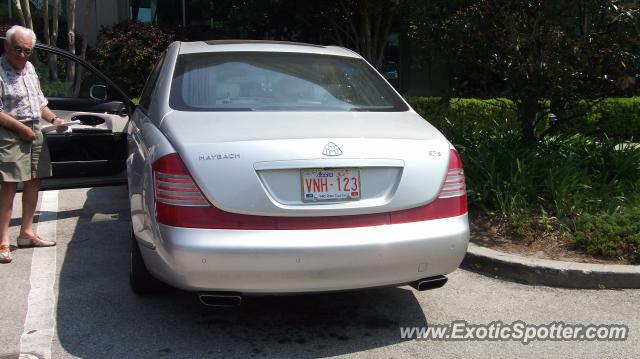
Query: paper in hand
x,y
65,124
74,122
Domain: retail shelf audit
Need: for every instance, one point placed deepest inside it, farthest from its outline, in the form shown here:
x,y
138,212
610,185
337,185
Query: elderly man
x,y
24,156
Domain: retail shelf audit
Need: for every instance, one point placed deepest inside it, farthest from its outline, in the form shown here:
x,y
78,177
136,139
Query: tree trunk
x,y
71,25
386,19
78,79
19,11
45,19
26,7
365,30
375,19
135,9
54,22
53,59
528,112
47,36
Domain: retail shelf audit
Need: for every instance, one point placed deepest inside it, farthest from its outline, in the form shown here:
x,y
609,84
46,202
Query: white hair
x,y
21,29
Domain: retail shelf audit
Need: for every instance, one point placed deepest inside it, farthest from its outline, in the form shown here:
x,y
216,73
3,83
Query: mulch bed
x,y
542,240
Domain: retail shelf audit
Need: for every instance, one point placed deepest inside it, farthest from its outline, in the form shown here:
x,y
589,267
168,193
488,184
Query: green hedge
x,y
618,117
437,110
614,117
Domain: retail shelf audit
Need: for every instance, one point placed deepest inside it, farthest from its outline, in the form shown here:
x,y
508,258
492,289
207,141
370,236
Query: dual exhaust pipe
x,y
231,299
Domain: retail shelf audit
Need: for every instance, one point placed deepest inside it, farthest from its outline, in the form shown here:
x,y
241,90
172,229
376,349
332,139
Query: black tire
x,y
141,281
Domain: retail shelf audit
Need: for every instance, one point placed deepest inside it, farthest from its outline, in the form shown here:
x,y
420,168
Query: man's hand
x,y
25,133
59,121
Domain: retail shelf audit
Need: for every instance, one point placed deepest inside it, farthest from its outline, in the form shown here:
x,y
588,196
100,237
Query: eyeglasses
x,y
21,50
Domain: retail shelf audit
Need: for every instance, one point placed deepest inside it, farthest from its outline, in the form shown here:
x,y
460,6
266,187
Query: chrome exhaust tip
x,y
220,299
429,283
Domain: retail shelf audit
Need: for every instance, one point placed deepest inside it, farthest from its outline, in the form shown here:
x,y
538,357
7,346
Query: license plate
x,y
330,184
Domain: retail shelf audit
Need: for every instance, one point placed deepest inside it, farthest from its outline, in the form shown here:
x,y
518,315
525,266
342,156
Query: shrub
x,y
563,176
568,177
433,109
582,119
618,118
57,88
485,111
438,110
127,52
610,235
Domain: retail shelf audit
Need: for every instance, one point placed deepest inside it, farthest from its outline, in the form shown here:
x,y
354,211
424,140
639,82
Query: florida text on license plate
x,y
330,184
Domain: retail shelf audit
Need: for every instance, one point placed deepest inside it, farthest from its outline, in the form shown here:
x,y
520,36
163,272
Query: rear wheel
x,y
141,281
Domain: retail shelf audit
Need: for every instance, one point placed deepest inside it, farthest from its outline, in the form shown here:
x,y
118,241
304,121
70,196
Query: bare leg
x,y
7,193
29,203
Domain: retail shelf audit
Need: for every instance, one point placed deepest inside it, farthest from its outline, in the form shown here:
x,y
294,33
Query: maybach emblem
x,y
331,149
219,156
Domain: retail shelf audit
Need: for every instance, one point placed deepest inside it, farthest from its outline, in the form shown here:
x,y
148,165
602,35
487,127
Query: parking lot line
x,y
39,322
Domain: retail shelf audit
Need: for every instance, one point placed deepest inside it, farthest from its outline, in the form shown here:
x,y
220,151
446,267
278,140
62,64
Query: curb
x,y
552,273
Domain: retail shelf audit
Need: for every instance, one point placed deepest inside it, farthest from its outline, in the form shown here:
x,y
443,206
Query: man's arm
x,y
51,117
10,123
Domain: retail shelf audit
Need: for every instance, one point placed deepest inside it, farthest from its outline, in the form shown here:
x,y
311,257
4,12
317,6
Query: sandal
x,y
35,241
5,254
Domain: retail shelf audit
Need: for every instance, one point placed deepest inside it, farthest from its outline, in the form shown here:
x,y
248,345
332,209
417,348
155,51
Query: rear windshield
x,y
261,81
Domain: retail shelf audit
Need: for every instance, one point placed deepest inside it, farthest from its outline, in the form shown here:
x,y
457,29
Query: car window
x,y
145,97
63,78
264,81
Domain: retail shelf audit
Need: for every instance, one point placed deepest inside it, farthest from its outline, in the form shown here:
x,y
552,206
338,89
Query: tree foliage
x,y
127,52
544,55
361,25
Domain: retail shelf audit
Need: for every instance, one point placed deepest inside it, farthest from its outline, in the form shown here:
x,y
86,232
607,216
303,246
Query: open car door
x,y
92,151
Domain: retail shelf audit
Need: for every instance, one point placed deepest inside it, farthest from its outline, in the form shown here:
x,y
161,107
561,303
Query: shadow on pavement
x,y
98,315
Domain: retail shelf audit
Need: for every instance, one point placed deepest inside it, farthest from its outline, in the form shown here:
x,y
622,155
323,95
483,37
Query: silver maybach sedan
x,y
261,167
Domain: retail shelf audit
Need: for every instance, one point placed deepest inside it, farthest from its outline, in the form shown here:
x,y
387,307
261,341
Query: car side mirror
x,y
98,92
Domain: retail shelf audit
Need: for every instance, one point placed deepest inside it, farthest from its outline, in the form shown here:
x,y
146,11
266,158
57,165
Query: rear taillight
x,y
178,190
451,201
454,184
180,203
173,184
174,189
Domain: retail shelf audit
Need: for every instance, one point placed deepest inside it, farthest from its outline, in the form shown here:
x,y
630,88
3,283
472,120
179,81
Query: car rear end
x,y
275,174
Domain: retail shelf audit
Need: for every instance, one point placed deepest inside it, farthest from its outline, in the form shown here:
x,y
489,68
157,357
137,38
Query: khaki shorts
x,y
23,161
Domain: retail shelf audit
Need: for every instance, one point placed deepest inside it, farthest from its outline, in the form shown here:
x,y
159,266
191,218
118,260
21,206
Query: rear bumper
x,y
298,261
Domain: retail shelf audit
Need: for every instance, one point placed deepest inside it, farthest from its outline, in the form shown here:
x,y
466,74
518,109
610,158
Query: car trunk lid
x,y
253,162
